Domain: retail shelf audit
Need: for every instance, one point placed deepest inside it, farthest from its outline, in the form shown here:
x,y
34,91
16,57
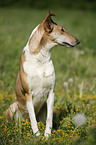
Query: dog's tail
x,y
11,111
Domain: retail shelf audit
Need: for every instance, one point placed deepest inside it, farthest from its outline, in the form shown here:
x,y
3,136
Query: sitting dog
x,y
36,77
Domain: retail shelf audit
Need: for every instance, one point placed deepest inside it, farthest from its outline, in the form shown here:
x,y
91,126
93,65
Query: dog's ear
x,y
48,22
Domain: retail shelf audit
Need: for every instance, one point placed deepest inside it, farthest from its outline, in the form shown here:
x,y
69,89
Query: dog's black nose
x,y
78,41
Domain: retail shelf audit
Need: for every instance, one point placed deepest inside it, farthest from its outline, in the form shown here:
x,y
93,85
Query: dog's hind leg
x,y
12,111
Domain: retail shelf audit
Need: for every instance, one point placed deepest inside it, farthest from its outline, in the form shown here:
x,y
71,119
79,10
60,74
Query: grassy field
x,y
75,90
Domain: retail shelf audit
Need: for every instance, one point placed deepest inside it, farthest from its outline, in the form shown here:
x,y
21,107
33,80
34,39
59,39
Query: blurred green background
x,y
19,17
43,4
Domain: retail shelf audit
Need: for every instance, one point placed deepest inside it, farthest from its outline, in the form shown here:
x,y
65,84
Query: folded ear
x,y
48,22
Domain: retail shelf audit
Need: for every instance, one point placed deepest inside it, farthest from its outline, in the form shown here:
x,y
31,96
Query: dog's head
x,y
57,34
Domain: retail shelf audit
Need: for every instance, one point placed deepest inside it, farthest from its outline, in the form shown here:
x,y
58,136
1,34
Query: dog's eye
x,y
62,30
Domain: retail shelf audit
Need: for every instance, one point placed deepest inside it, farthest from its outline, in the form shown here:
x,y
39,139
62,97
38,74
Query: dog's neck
x,y
38,46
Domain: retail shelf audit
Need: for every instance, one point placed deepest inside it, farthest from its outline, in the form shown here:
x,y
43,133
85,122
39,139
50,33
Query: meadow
x,y
75,68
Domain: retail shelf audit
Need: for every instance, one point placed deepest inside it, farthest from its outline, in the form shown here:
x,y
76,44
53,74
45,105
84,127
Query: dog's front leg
x,y
50,104
30,107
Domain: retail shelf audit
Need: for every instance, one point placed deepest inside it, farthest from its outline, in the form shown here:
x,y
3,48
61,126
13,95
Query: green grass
x,y
77,63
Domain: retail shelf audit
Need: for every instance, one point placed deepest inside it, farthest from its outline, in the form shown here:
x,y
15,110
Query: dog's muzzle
x,y
70,45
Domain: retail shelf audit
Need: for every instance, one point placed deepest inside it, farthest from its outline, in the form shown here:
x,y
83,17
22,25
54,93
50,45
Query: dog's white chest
x,y
40,76
41,79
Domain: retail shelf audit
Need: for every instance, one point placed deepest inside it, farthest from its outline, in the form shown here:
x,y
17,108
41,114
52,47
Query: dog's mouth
x,y
67,44
70,45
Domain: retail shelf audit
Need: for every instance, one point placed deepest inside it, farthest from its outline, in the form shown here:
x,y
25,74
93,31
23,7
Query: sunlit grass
x,y
75,90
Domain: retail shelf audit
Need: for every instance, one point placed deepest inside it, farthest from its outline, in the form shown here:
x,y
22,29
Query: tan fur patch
x,y
22,87
23,75
35,40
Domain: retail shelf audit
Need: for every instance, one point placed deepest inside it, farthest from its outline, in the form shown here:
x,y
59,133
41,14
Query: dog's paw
x,y
37,133
47,135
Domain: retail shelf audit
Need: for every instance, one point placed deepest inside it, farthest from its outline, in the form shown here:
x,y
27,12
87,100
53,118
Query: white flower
x,y
3,74
65,84
79,119
70,80
80,52
88,104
